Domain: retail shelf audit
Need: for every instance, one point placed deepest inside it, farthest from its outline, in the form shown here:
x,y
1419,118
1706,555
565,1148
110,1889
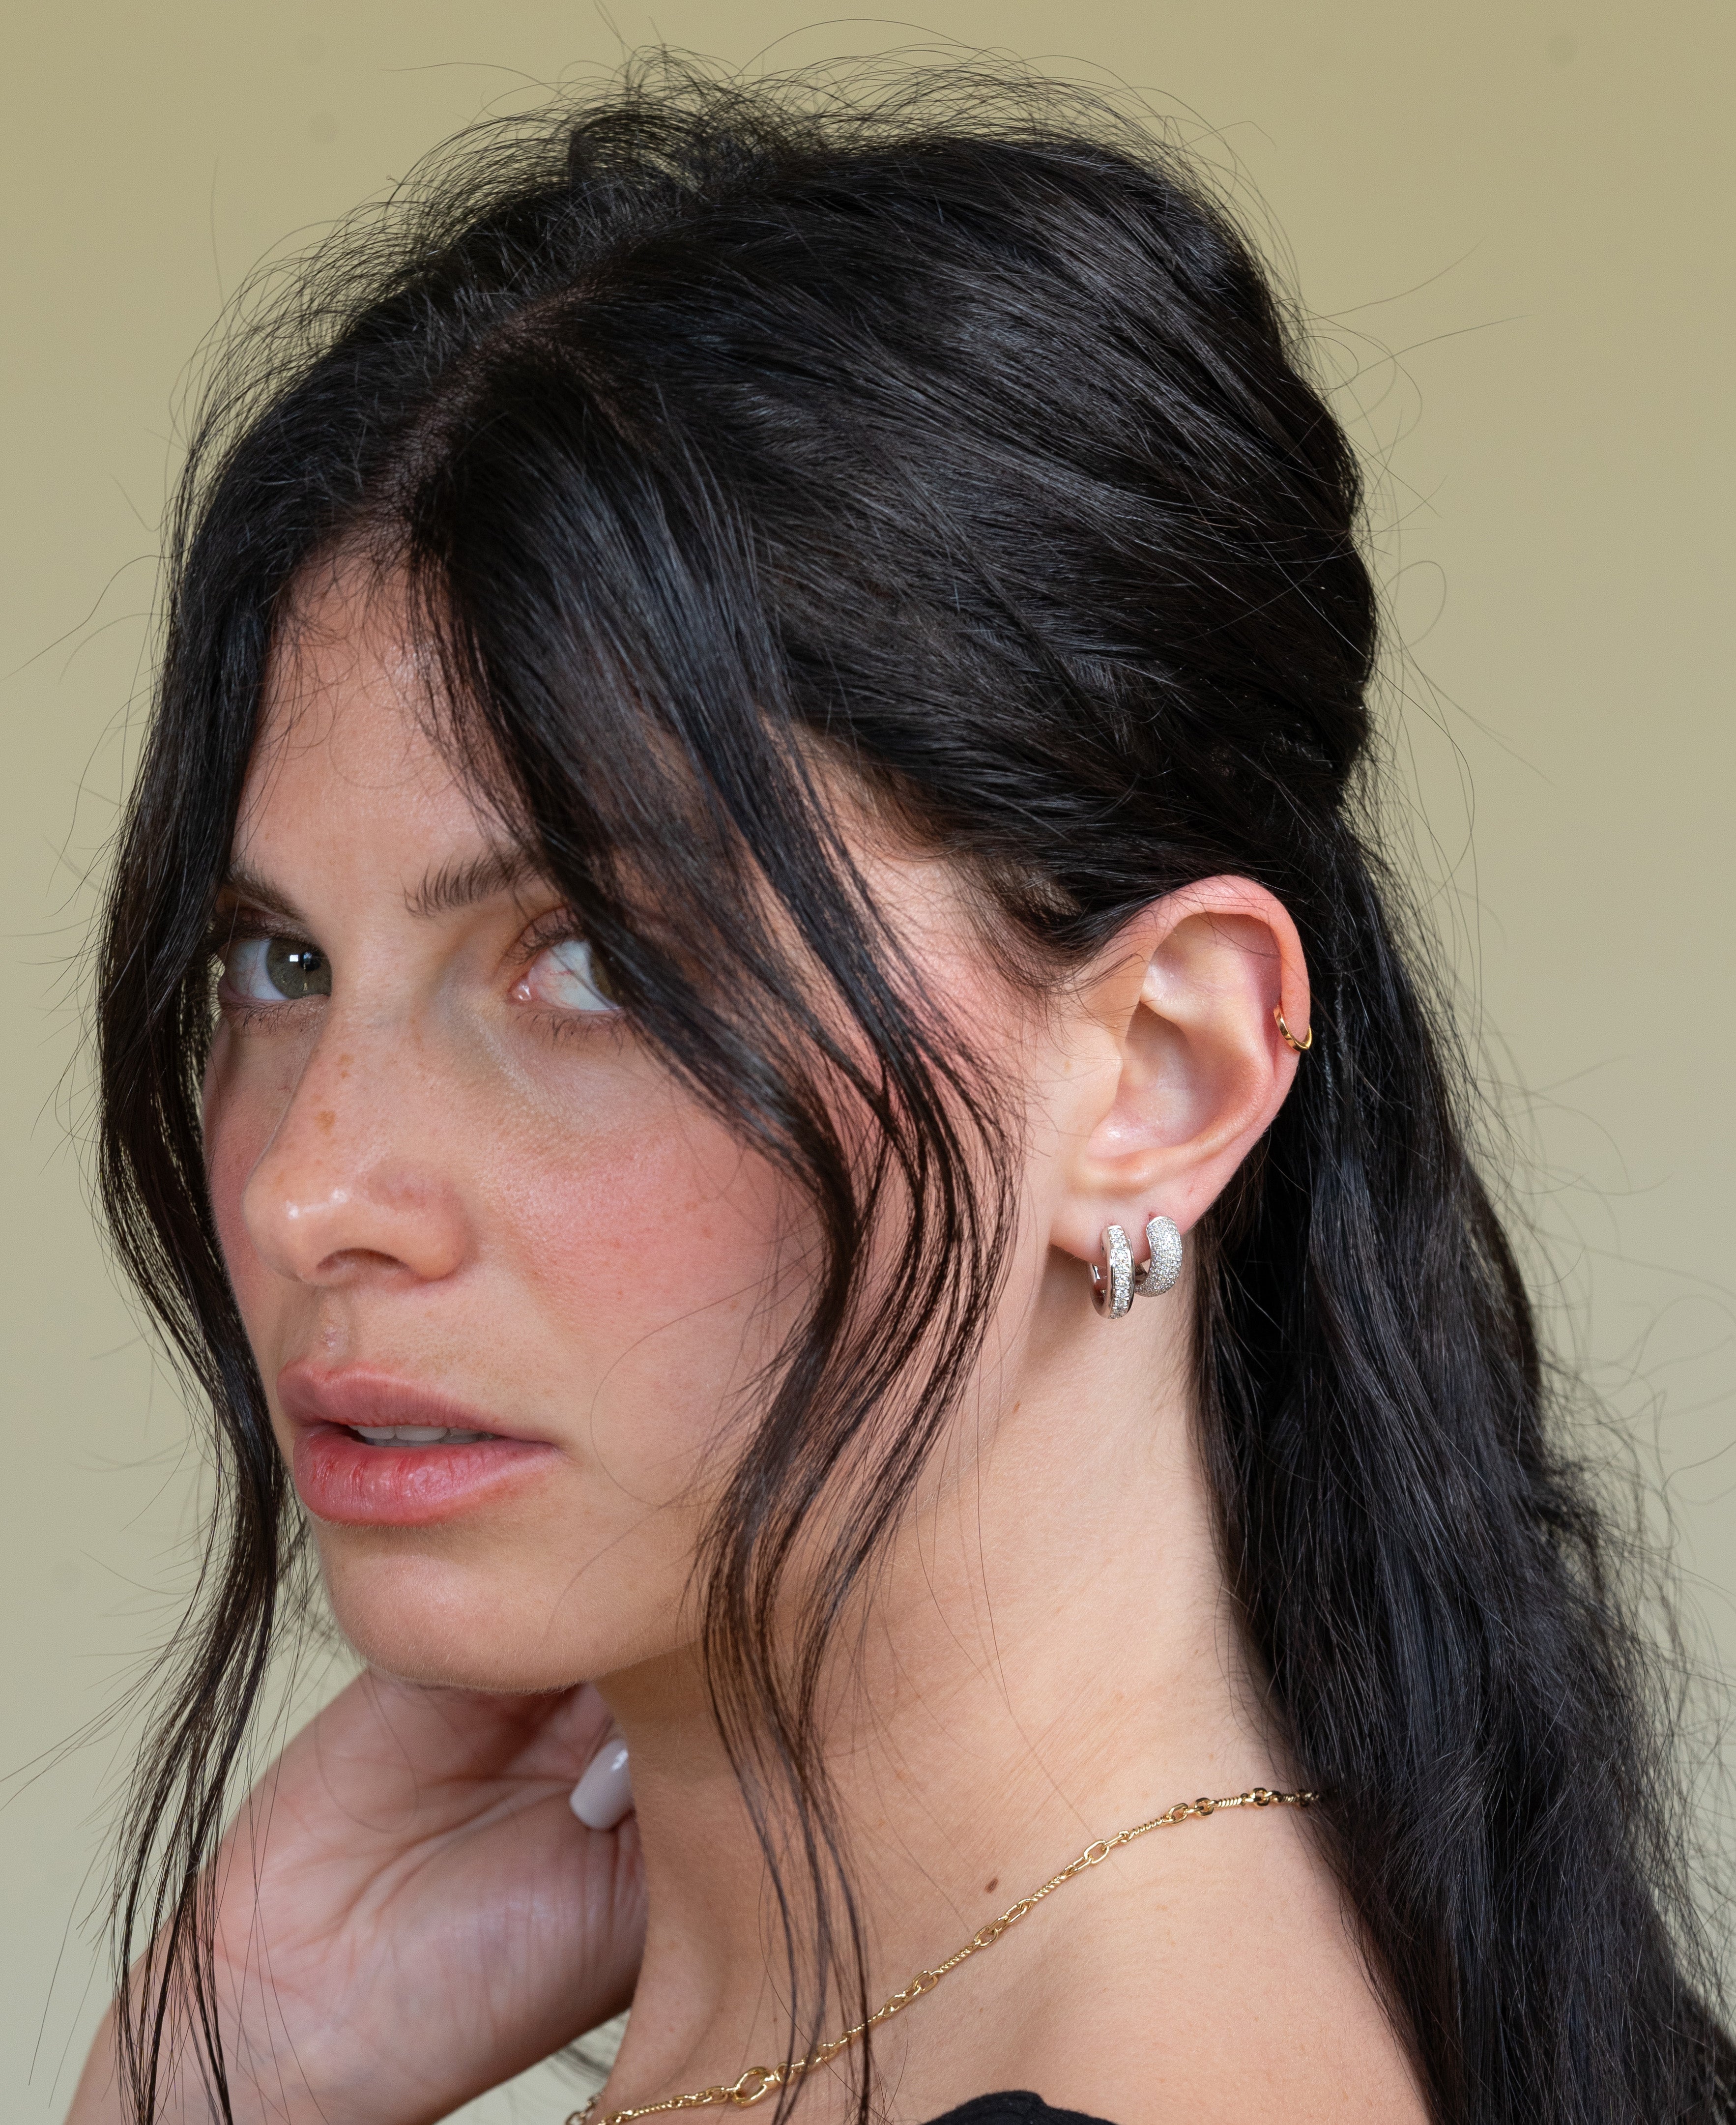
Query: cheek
x,y
653,1257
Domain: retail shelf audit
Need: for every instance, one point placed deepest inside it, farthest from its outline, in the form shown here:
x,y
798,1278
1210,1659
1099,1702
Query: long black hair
x,y
951,437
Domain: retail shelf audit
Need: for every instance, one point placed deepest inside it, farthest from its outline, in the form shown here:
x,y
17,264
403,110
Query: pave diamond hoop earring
x,y
1164,1246
1112,1275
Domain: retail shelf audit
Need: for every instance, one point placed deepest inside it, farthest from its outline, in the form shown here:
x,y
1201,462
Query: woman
x,y
816,1164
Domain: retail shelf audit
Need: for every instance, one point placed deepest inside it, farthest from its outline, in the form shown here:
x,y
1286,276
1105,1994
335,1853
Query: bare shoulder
x,y
1228,1988
1244,1995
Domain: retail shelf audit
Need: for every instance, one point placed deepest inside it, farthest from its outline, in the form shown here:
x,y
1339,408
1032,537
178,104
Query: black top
x,y
1017,2106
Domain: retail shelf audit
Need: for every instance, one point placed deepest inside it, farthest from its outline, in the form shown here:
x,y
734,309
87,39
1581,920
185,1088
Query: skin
x,y
436,1172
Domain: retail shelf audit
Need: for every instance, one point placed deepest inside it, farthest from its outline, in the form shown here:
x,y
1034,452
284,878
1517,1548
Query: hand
x,y
408,1911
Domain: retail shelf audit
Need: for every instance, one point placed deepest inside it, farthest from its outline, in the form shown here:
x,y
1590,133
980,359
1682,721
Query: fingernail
x,y
604,1794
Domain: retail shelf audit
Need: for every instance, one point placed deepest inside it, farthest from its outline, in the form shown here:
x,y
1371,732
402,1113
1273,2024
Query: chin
x,y
456,1623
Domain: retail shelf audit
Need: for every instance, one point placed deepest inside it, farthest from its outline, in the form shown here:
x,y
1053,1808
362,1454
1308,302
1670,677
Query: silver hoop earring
x,y
1112,1275
1163,1245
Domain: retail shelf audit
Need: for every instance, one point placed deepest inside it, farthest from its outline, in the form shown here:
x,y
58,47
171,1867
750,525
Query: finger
x,y
380,1741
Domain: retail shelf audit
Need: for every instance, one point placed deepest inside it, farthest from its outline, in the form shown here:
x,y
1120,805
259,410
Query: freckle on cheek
x,y
325,1119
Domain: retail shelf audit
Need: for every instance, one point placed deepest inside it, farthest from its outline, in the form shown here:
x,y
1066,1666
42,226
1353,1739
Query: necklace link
x,y
760,2081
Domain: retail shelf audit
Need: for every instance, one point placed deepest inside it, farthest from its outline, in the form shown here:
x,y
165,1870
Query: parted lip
x,y
352,1395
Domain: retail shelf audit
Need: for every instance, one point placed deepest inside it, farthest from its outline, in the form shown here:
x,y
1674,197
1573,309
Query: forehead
x,y
346,759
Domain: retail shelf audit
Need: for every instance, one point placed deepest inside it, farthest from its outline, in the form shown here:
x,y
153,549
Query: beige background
x,y
1512,220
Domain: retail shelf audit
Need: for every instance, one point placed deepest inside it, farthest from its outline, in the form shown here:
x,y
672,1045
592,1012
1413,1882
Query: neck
x,y
1050,1657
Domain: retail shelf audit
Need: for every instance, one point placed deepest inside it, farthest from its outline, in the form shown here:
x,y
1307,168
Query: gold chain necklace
x,y
760,2080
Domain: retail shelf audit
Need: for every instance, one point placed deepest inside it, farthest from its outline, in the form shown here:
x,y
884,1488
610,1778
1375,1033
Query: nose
x,y
353,1185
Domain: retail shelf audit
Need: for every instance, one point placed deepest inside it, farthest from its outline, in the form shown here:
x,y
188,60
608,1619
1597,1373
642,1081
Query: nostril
x,y
351,1265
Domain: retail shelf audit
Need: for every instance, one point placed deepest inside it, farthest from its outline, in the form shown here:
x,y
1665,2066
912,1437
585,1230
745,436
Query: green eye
x,y
298,970
276,970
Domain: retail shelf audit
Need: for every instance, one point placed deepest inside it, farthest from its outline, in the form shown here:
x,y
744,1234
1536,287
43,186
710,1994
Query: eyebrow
x,y
455,886
452,888
243,887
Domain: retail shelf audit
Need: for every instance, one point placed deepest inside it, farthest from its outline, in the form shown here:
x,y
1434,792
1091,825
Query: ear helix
x,y
1115,1283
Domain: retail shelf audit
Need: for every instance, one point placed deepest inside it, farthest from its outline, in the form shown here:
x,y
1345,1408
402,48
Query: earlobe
x,y
1198,998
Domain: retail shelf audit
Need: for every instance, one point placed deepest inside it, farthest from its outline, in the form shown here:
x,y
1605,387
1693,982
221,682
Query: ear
x,y
1186,1064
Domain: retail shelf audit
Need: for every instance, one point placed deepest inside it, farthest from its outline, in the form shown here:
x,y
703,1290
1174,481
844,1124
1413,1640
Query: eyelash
x,y
556,927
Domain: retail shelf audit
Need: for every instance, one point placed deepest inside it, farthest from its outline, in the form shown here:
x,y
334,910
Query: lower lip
x,y
342,1478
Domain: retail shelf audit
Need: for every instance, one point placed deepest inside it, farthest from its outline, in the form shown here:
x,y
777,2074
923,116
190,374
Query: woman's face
x,y
456,1195
453,1192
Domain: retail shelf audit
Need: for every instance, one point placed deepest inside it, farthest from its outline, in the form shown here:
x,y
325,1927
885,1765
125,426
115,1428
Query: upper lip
x,y
354,1395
